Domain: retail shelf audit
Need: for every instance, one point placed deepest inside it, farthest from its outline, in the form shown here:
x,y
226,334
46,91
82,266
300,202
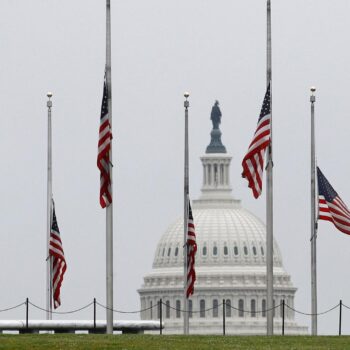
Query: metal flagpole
x,y
186,192
49,199
313,219
109,209
269,188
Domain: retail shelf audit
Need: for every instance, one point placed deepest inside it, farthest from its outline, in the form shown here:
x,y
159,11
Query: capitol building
x,y
230,263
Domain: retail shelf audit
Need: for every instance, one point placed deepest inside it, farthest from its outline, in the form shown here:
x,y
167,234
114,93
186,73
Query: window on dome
x,y
263,308
169,251
215,308
202,308
228,308
225,250
178,308
190,308
245,250
262,251
252,308
241,308
163,252
167,309
235,250
215,250
254,250
204,251
176,251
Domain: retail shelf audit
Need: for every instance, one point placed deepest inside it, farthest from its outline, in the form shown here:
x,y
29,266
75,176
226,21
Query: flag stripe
x,y
253,162
58,264
191,252
104,147
331,206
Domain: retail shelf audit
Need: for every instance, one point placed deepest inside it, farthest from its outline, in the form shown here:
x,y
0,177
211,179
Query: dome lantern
x,y
216,163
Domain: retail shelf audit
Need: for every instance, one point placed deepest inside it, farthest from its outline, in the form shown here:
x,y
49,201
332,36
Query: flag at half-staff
x,y
331,206
58,261
253,162
191,252
104,147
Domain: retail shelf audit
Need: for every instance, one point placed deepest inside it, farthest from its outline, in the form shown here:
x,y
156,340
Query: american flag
x,y
58,262
331,206
191,252
104,147
253,162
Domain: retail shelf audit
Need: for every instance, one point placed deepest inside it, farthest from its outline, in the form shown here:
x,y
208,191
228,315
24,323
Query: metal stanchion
x,y
27,313
283,305
160,316
223,317
94,313
340,310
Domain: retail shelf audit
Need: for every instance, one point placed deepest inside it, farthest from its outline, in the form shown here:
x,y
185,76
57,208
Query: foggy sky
x,y
215,50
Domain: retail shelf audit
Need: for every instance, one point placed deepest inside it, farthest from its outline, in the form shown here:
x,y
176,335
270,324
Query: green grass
x,y
167,342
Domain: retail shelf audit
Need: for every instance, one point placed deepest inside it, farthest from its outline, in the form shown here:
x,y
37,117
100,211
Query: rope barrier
x,y
346,306
252,312
12,307
310,314
126,312
60,312
160,303
173,308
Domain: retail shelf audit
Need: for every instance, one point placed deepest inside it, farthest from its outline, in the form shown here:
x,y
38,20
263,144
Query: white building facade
x,y
230,264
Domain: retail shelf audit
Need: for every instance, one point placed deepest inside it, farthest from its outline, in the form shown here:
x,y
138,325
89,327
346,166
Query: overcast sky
x,y
215,50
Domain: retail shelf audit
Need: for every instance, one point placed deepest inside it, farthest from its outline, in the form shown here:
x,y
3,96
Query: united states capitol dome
x,y
226,236
230,262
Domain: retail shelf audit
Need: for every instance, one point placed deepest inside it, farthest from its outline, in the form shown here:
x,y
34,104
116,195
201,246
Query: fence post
x,y
223,316
160,316
27,312
340,310
283,305
94,313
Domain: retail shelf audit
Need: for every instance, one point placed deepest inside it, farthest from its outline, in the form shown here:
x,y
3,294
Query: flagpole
x,y
186,193
109,209
49,198
313,219
269,188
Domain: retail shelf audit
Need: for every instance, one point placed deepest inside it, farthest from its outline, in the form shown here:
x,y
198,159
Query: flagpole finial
x,y
186,103
312,97
49,102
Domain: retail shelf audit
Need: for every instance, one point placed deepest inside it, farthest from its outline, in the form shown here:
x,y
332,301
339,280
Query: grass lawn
x,y
167,342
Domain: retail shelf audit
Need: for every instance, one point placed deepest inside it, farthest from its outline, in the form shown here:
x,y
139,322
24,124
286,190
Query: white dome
x,y
229,236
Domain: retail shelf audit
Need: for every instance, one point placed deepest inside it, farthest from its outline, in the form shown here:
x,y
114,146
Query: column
x,y
228,174
208,175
